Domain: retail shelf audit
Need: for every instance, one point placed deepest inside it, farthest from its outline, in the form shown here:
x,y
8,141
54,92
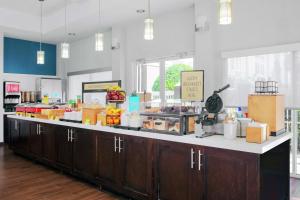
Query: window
x,y
242,72
152,80
173,69
284,67
75,81
162,79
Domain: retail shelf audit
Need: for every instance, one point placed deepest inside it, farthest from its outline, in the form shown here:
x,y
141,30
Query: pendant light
x,y
65,47
40,55
149,22
225,12
99,44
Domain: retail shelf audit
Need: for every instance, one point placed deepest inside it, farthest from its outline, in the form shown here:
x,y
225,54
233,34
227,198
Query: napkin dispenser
x,y
257,132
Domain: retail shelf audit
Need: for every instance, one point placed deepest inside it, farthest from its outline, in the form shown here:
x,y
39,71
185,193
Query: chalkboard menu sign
x,y
192,85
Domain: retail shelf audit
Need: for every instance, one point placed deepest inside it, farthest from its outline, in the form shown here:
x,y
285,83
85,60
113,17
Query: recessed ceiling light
x,y
72,34
141,11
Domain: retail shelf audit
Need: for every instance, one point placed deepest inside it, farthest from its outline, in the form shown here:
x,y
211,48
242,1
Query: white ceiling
x,y
20,18
32,6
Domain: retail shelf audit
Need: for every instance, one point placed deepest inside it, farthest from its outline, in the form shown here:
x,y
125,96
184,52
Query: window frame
x,y
141,71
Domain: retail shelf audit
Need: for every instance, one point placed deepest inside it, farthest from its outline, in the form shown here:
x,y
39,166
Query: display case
x,y
174,124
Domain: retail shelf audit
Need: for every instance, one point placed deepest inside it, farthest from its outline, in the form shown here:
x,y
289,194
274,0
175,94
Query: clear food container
x,y
174,124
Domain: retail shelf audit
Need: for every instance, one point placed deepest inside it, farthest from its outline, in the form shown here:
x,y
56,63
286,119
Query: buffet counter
x,y
217,141
143,165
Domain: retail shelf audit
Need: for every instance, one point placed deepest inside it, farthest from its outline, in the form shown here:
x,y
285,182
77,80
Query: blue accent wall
x,y
20,57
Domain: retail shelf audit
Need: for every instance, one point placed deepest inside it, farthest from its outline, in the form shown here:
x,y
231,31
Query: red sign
x,y
12,88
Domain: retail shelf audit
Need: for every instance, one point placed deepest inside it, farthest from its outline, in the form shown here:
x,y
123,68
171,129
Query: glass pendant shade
x,y
65,50
149,29
40,57
99,44
225,12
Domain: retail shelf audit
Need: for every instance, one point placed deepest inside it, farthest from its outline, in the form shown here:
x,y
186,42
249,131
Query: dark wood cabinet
x,y
6,129
137,157
14,133
148,169
126,163
35,140
76,151
84,153
231,175
179,172
47,132
64,147
24,134
108,158
42,142
197,176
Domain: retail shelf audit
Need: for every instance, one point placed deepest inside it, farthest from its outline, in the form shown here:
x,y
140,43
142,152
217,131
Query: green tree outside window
x,y
172,77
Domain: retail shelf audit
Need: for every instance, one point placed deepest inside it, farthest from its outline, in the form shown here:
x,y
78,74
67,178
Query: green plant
x,y
172,77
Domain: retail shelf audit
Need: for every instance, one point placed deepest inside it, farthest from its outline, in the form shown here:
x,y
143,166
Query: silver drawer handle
x,y
192,158
71,135
40,129
68,135
199,160
115,147
120,149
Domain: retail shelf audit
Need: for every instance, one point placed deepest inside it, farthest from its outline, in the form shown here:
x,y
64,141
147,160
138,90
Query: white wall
x,y
119,71
28,82
173,34
256,23
84,57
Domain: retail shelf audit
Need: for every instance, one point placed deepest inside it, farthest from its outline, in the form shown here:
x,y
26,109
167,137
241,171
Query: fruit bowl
x,y
112,120
116,96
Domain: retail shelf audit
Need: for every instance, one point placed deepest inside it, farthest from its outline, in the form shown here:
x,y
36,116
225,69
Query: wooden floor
x,y
21,179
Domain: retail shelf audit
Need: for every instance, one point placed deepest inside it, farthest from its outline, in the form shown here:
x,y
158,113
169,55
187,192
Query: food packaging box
x,y
53,113
257,133
90,114
268,109
147,122
160,124
41,116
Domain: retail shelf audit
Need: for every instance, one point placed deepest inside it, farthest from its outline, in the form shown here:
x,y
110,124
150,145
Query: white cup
x,y
230,130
